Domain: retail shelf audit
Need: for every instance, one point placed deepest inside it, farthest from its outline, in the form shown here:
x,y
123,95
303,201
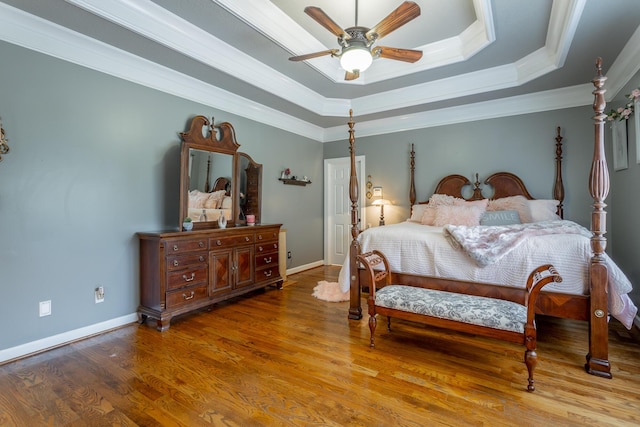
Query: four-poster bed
x,y
590,304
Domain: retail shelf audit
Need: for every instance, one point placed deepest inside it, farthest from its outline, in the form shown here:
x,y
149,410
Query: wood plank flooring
x,y
284,358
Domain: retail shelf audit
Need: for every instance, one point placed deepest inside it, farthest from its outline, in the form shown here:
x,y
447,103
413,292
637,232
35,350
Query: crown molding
x,y
31,32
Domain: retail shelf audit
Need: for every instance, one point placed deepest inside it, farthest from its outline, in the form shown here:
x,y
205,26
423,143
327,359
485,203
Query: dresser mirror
x,y
215,179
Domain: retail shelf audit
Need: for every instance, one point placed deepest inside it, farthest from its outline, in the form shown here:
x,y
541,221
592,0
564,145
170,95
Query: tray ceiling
x,y
481,58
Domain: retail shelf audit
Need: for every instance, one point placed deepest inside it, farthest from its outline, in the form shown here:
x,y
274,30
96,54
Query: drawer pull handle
x,y
259,236
275,246
246,238
175,263
175,247
201,258
218,242
189,279
267,273
201,244
186,298
267,260
260,248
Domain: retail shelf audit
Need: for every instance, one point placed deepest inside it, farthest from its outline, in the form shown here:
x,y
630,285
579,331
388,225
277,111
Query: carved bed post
x,y
558,188
412,183
598,356
355,309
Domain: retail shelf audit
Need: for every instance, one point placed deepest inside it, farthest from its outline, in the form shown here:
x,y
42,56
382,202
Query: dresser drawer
x,y
186,296
230,241
267,235
182,278
178,262
181,246
264,259
267,273
266,247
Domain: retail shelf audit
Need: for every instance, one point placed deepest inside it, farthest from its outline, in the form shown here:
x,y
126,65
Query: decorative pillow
x,y
482,204
214,200
442,200
457,215
416,212
543,210
429,216
197,199
517,203
226,203
500,218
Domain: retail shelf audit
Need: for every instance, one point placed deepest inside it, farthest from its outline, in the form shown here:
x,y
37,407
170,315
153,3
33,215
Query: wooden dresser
x,y
184,271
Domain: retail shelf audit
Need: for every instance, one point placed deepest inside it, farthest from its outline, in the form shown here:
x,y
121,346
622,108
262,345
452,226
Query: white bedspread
x,y
414,248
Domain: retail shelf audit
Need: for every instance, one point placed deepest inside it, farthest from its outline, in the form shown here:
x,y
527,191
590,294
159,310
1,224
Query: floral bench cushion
x,y
476,310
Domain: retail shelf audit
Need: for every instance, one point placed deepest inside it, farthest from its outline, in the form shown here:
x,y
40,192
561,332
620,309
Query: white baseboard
x,y
300,268
64,338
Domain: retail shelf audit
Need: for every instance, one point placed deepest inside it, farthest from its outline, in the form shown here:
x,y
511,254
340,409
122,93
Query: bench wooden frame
x,y
377,267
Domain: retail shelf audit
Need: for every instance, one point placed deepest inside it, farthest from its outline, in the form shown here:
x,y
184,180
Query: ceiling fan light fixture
x,y
356,58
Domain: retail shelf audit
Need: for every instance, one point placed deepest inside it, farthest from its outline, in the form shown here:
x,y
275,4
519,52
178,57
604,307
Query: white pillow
x,y
543,210
416,212
226,203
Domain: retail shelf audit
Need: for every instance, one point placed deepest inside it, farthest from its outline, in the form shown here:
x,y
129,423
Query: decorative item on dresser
x,y
221,258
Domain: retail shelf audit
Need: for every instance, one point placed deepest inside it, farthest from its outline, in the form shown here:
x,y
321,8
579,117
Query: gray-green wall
x,y
624,201
95,159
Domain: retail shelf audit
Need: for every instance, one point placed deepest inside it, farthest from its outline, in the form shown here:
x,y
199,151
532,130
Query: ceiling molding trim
x,y
152,21
31,32
481,81
563,23
625,66
153,25
575,96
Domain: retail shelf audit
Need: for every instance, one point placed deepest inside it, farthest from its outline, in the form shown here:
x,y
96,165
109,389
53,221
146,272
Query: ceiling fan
x,y
356,53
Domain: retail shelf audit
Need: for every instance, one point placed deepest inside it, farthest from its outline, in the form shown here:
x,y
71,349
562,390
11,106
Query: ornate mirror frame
x,y
245,188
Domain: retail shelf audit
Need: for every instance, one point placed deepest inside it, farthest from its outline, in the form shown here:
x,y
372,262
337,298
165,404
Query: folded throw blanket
x,y
487,244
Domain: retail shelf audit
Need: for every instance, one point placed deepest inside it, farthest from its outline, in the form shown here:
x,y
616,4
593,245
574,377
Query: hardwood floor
x,y
286,358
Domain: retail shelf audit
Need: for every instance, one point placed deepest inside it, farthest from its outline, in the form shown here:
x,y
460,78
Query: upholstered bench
x,y
492,317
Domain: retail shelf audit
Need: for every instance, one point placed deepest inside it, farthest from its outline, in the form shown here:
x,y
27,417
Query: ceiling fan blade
x,y
403,14
406,55
331,52
323,19
351,76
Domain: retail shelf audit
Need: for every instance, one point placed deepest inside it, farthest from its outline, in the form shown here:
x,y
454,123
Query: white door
x,y
337,211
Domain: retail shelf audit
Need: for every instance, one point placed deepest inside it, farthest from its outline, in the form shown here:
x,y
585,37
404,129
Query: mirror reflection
x,y
210,184
249,185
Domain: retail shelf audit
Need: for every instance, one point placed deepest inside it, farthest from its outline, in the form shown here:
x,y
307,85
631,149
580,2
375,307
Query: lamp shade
x,y
356,58
381,202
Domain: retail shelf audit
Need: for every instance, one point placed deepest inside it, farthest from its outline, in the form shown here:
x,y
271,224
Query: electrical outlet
x,y
45,308
99,294
289,255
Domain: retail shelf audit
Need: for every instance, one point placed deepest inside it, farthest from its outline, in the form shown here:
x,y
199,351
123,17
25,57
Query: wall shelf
x,y
293,181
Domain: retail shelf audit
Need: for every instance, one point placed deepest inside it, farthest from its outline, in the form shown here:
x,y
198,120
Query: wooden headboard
x,y
504,184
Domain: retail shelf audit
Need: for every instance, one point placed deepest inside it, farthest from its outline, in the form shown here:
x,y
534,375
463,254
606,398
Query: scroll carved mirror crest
x,y
215,179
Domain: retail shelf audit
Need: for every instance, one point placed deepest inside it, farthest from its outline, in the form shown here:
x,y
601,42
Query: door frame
x,y
328,193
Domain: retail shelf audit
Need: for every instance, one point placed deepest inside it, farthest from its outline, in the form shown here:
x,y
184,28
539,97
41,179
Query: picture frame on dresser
x,y
620,149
